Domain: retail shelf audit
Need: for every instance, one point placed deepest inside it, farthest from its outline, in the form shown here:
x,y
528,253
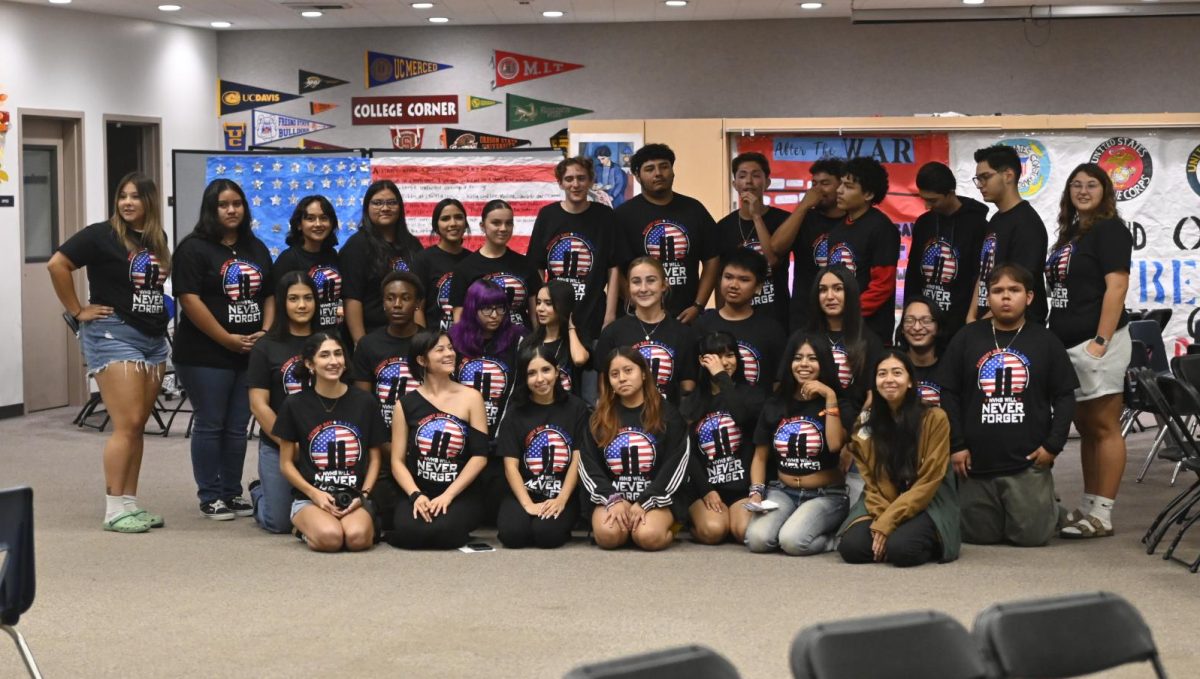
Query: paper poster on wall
x,y
407,138
1160,208
512,68
315,107
389,68
454,138
4,120
475,103
410,110
235,136
312,82
526,112
524,179
610,154
1035,165
269,127
274,186
233,97
312,144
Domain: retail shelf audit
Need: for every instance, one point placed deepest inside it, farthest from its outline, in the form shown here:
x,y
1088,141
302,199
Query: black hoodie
x,y
943,262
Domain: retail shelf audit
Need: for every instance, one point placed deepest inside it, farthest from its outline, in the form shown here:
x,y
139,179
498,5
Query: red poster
x,y
411,110
515,68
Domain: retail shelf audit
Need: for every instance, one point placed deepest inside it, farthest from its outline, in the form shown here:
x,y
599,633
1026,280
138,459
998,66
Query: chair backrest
x,y
1183,402
1139,356
17,576
685,662
914,644
1150,334
1159,316
1187,369
1064,636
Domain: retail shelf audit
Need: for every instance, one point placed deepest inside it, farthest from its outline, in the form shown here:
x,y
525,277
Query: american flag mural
x,y
751,361
666,241
569,255
394,379
1003,373
719,435
1059,265
241,279
632,451
487,375
287,375
547,448
797,437
334,445
328,281
441,435
843,255
145,272
660,358
939,262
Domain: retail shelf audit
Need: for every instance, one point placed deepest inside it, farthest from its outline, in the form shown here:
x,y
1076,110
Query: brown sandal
x,y
1087,527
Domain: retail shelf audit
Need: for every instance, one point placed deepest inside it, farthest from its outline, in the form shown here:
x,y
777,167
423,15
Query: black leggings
x,y
518,529
913,543
448,531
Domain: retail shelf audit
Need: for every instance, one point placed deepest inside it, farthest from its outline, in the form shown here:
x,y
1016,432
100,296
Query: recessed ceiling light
x,y
811,5
311,14
422,5
169,8
60,2
220,24
438,20
552,13
676,3
972,2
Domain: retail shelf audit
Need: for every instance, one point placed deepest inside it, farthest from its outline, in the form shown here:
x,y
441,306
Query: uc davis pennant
x,y
388,68
233,97
453,138
526,112
311,82
474,103
515,68
269,127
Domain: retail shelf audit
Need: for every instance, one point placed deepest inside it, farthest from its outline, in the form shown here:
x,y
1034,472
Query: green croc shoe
x,y
127,522
155,520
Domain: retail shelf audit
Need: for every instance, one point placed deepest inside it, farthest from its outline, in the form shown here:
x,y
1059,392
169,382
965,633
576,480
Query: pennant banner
x,y
468,139
418,110
269,127
526,112
233,97
235,136
311,144
561,140
389,68
315,107
474,103
515,68
407,138
311,82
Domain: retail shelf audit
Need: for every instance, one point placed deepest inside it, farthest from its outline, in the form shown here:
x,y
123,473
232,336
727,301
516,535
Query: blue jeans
x,y
272,497
222,404
803,525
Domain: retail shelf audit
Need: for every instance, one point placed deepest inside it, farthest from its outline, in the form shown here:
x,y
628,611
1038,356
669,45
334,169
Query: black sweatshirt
x,y
645,468
722,428
1005,403
942,266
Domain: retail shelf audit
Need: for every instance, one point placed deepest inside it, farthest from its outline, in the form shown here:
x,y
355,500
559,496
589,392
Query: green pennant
x,y
526,112
474,102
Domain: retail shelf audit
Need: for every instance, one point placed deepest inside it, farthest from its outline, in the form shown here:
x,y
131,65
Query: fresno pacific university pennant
x,y
315,107
233,97
389,68
525,112
511,68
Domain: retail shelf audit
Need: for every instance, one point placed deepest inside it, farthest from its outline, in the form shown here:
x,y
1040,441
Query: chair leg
x,y
26,655
1162,434
1175,510
1175,474
1169,555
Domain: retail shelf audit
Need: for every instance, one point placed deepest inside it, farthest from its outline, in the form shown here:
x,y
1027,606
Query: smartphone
x,y
478,547
761,507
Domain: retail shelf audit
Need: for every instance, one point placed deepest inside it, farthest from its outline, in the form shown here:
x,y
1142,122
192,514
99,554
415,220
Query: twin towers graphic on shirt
x,y
147,277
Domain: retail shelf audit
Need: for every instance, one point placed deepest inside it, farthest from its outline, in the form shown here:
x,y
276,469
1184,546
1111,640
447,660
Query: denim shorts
x,y
111,340
297,505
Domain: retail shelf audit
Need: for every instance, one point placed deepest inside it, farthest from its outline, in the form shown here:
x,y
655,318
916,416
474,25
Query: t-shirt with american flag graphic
x,y
722,430
794,433
543,439
439,444
334,446
645,467
131,282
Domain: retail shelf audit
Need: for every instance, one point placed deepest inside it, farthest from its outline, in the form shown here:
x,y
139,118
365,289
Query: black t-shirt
x,y
810,252
942,266
722,436
734,232
334,446
492,376
680,234
543,438
1017,236
670,350
760,340
232,283
273,364
794,433
439,444
929,386
129,282
568,373
435,267
1006,394
646,468
360,282
512,271
578,249
1075,279
854,386
323,270
382,360
871,242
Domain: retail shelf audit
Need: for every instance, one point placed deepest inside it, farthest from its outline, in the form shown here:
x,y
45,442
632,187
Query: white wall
x,y
75,61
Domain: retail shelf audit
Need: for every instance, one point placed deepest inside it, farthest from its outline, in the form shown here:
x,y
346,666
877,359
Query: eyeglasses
x,y
494,310
385,203
982,178
914,321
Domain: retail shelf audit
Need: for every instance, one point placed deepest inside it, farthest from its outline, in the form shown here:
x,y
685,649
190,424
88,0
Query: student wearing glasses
x,y
922,341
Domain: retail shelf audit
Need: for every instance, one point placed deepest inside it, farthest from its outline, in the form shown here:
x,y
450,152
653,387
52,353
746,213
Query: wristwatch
x,y
1100,340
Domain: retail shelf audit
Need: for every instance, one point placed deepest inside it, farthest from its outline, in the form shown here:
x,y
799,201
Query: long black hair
x,y
440,208
422,343
309,351
895,437
852,324
940,340
208,226
296,237
562,298
403,242
280,324
828,374
694,405
520,393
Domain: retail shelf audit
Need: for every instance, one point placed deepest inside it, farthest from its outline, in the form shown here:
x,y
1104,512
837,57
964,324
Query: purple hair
x,y
467,335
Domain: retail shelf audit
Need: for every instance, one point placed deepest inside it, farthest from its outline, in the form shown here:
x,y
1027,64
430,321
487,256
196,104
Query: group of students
x,y
413,394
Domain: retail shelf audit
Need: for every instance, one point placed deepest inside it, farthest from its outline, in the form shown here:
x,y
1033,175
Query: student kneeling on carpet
x,y
908,512
1008,387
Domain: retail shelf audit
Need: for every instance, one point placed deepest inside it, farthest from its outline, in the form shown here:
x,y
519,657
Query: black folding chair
x,y
1135,405
17,576
1064,636
685,662
1184,401
915,644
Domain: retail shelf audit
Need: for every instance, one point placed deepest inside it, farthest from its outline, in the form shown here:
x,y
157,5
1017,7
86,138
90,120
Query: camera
x,y
343,496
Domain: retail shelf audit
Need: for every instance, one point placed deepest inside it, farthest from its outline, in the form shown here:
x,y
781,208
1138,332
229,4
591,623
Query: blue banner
x,y
233,97
388,68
